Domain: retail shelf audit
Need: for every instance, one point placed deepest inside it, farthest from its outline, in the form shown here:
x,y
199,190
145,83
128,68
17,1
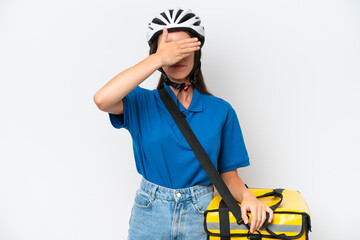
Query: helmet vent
x,y
187,17
164,15
171,12
197,23
158,21
178,14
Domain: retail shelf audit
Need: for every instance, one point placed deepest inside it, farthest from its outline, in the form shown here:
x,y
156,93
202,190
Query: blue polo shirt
x,y
162,154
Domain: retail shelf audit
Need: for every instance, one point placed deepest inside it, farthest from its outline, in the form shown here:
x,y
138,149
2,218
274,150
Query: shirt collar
x,y
196,101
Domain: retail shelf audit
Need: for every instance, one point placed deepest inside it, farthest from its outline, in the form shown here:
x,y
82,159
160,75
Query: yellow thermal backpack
x,y
291,218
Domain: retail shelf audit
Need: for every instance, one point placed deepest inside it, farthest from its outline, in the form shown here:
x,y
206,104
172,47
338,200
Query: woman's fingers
x,y
189,48
187,51
187,40
164,35
254,220
244,214
259,217
190,45
263,218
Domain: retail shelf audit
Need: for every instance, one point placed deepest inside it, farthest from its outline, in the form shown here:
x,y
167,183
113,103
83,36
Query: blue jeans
x,y
163,213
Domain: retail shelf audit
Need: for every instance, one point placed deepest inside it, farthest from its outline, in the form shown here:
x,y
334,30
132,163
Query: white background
x,y
289,68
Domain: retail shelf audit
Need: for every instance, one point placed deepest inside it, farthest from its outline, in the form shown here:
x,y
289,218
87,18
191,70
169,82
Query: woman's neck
x,y
184,97
184,94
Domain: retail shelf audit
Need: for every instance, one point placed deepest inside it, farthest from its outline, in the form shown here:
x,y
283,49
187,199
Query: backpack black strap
x,y
201,154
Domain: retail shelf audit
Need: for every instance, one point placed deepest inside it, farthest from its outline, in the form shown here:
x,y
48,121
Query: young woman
x,y
175,190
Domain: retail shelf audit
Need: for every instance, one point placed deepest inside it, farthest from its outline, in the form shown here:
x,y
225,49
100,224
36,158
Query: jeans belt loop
x,y
153,191
193,194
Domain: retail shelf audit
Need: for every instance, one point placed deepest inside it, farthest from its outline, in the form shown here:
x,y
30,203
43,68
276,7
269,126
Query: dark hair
x,y
200,83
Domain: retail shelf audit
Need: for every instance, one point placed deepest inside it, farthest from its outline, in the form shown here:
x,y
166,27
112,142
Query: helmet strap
x,y
182,86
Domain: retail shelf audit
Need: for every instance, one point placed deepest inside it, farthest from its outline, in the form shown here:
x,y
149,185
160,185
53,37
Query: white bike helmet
x,y
176,19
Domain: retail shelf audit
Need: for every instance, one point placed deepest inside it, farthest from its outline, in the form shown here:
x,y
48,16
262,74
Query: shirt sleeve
x,y
233,153
130,116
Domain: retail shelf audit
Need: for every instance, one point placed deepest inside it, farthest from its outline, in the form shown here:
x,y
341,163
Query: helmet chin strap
x,y
182,86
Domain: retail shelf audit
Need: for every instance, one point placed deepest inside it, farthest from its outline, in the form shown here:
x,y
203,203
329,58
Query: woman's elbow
x,y
99,101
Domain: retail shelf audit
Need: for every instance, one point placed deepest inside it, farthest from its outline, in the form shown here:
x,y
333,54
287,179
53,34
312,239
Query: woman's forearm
x,y
236,185
249,202
123,83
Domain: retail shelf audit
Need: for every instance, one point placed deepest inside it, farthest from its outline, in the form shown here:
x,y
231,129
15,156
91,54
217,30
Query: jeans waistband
x,y
181,194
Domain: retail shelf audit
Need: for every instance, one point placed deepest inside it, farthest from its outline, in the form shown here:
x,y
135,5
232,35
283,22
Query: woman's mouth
x,y
177,66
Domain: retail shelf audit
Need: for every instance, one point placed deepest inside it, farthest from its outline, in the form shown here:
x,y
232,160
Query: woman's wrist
x,y
156,60
246,194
